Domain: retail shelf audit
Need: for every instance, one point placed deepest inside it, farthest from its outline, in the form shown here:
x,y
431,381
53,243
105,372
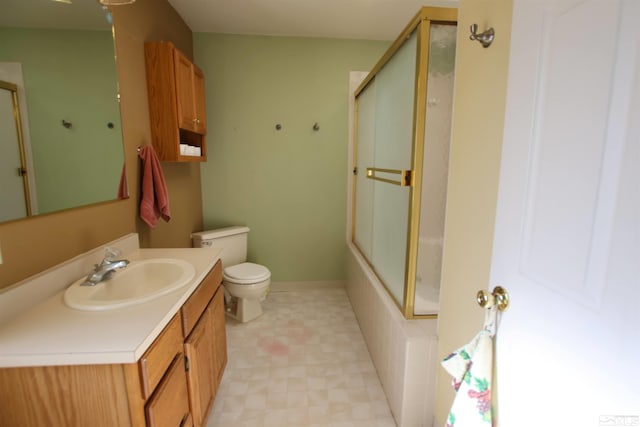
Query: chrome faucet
x,y
106,268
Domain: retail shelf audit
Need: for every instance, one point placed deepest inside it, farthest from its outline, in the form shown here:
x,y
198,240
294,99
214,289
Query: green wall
x,y
288,186
71,75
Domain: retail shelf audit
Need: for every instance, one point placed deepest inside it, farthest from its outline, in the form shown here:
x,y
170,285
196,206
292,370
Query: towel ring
x,y
498,297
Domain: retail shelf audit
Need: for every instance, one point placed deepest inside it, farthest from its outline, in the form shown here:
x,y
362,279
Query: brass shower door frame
x,y
22,170
421,23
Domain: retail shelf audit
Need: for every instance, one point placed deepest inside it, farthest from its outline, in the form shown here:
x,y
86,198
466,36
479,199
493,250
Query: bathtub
x,y
403,351
429,267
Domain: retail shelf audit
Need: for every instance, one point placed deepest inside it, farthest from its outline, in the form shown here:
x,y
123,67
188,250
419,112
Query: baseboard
x,y
306,286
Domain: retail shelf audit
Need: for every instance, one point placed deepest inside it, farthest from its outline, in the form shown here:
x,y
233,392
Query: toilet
x,y
245,284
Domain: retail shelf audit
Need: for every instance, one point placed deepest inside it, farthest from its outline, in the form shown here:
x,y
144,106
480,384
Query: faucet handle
x,y
111,254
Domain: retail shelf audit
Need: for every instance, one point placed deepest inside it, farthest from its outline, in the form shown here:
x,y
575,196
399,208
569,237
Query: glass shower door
x,y
435,167
402,133
384,155
365,131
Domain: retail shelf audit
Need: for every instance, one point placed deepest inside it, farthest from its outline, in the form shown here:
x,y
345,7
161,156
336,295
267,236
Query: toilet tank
x,y
232,241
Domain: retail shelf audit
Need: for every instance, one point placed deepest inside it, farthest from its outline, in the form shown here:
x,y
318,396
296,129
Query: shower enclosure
x,y
402,134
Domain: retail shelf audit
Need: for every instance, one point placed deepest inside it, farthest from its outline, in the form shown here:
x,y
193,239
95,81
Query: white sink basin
x,y
139,282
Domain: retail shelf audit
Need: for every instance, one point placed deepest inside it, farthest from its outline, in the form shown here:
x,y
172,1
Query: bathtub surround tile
x,y
404,352
304,362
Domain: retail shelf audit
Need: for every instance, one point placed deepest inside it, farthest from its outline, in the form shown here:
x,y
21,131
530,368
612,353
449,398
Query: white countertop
x,y
50,333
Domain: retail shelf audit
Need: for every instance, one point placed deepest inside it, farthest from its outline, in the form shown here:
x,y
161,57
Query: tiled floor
x,y
302,363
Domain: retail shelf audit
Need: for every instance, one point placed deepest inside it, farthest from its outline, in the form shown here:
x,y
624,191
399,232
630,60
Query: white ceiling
x,y
354,19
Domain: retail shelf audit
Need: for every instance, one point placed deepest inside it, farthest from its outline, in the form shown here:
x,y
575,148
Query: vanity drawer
x,y
198,301
154,362
169,405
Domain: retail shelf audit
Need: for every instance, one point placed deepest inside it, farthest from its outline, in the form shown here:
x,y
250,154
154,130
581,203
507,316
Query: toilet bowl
x,y
246,286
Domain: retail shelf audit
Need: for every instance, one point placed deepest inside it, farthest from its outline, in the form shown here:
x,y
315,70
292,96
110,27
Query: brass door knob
x,y
498,297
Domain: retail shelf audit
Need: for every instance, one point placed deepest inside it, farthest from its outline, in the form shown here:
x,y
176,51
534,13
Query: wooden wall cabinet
x,y
190,94
173,384
177,110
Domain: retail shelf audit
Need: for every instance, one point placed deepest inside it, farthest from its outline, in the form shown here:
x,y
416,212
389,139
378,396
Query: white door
x,y
567,237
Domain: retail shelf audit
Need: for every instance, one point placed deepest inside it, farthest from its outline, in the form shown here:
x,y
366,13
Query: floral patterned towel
x,y
471,368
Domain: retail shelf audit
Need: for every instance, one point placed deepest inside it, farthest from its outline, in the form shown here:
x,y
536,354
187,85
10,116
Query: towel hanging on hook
x,y
471,367
154,200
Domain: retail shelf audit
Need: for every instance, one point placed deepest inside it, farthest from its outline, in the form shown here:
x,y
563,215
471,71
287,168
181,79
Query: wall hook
x,y
485,38
316,126
66,124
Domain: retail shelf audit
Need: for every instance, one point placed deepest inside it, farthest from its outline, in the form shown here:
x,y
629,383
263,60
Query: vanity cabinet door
x,y
219,335
198,349
169,404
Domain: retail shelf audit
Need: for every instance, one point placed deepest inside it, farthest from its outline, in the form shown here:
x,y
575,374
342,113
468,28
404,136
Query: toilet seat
x,y
246,273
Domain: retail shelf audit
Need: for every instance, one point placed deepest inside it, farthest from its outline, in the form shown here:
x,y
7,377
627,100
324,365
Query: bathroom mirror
x,y
57,68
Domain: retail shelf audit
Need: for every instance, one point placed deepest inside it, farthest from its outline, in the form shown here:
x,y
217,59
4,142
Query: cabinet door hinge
x,y
186,364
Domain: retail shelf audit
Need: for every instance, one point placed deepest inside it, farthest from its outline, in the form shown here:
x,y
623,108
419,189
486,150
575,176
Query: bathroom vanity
x,y
158,363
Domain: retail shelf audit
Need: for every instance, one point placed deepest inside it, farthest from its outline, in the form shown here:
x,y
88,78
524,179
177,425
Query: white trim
x,y
306,286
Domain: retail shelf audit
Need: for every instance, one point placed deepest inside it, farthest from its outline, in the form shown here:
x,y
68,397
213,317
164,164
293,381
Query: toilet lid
x,y
247,272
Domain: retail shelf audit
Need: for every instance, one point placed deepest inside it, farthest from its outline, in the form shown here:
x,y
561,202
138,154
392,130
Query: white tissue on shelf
x,y
183,149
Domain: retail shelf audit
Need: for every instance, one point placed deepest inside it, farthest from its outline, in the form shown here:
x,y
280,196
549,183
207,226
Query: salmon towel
x,y
155,199
123,187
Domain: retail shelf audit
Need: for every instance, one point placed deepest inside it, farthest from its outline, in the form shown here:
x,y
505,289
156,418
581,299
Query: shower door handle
x,y
405,176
